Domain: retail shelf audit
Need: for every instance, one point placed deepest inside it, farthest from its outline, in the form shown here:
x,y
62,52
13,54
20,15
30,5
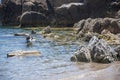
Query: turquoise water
x,y
53,63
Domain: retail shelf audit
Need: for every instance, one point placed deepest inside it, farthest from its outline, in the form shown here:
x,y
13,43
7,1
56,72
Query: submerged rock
x,y
23,53
97,50
21,34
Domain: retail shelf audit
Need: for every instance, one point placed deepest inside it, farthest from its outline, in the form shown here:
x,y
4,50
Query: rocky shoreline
x,y
94,21
55,12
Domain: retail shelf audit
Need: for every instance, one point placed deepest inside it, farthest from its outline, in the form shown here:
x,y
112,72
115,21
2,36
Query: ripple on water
x,y
53,64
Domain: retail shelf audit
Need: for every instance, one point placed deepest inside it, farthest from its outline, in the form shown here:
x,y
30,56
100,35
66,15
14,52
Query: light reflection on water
x,y
53,64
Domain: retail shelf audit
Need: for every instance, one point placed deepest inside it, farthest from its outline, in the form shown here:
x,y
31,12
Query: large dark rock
x,y
13,9
96,8
10,13
98,25
32,18
103,53
59,12
68,14
97,50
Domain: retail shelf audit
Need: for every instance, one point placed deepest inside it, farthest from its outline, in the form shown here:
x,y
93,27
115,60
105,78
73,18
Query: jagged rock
x,y
82,55
98,25
97,50
92,42
23,53
32,18
58,12
103,53
79,26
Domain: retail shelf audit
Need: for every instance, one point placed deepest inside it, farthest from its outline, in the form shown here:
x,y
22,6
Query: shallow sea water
x,y
53,63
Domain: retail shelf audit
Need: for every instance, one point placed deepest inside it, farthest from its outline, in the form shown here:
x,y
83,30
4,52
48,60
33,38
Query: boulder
x,y
97,50
103,53
32,18
68,14
10,13
13,9
23,53
59,12
82,55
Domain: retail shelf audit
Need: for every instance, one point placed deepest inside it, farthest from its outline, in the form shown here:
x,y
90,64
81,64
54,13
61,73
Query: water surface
x,y
53,64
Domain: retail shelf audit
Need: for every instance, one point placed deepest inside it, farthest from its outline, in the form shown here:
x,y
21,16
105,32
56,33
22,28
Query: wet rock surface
x,y
21,34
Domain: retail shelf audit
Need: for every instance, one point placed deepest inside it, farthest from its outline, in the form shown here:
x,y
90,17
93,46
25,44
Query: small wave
x,y
103,74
